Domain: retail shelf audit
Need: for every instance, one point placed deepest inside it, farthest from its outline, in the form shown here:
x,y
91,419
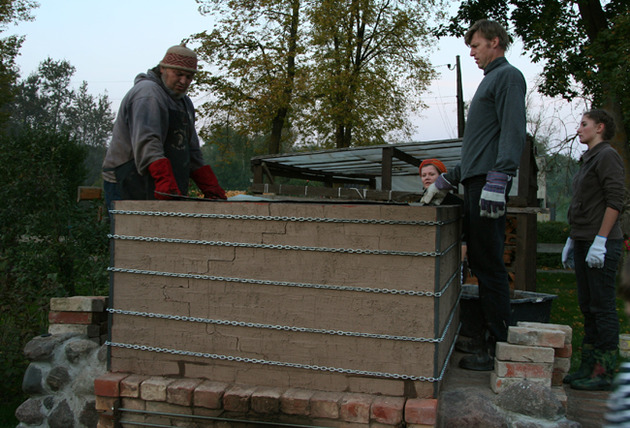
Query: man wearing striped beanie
x,y
155,150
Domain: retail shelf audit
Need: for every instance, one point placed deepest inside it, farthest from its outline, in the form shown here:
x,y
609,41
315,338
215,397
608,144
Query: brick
x,y
535,337
90,330
154,388
76,317
108,384
237,399
78,304
209,394
422,411
568,331
181,391
355,408
387,410
509,352
564,352
498,384
133,404
105,421
266,400
562,365
295,401
325,405
556,378
130,386
106,404
522,370
164,407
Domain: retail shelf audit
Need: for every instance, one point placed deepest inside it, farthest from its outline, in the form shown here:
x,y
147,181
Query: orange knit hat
x,y
435,162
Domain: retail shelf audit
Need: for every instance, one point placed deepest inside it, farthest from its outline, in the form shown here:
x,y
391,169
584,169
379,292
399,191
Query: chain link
x,y
268,362
281,218
289,284
273,246
281,327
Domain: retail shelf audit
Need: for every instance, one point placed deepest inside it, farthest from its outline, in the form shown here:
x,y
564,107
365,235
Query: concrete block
x,y
568,331
509,369
538,354
529,336
78,304
498,384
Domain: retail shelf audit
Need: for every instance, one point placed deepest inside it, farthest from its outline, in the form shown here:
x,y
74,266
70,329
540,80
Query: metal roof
x,y
368,160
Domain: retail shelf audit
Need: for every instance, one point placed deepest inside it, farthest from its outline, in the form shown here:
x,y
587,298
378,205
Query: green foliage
x,y
229,154
552,232
50,245
583,46
326,73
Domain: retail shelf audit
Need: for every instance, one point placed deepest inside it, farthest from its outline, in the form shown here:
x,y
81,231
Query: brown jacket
x,y
598,184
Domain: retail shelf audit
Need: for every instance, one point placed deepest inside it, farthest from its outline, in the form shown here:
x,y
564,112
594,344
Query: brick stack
x,y
83,315
538,352
164,401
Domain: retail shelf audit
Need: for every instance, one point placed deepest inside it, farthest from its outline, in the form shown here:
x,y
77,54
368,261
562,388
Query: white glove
x,y
597,253
567,255
436,192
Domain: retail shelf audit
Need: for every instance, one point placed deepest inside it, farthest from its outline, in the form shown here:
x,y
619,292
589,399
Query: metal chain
x,y
268,362
281,327
288,283
298,365
274,246
281,218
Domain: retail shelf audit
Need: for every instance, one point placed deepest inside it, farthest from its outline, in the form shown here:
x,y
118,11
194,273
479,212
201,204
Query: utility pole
x,y
461,121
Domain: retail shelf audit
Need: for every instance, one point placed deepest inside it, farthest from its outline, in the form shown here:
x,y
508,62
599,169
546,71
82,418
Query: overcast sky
x,y
110,42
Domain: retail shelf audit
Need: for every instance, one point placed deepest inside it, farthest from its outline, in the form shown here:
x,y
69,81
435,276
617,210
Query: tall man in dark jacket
x,y
491,150
155,149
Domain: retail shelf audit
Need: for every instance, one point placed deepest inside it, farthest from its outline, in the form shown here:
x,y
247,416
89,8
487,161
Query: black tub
x,y
525,306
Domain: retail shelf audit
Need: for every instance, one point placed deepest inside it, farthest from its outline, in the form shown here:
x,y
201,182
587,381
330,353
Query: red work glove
x,y
165,184
208,183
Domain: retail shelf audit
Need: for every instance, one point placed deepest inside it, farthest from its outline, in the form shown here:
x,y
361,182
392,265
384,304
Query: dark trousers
x,y
596,295
485,238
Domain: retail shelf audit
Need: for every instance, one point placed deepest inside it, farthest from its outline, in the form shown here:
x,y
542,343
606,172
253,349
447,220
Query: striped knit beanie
x,y
181,58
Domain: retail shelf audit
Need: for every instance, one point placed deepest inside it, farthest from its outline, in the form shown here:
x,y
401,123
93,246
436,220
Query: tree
x,y
583,44
341,72
367,71
46,100
253,58
11,11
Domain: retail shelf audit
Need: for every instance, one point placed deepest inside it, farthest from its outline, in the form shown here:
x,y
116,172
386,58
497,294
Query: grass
x,y
565,309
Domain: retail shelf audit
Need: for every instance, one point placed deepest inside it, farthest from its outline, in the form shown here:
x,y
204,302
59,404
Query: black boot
x,y
469,345
586,366
482,360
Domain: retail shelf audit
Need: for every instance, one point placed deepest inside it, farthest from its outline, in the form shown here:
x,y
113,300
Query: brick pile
x,y
538,352
83,315
137,399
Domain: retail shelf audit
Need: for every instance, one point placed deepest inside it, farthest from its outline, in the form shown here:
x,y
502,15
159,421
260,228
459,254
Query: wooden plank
x,y
86,193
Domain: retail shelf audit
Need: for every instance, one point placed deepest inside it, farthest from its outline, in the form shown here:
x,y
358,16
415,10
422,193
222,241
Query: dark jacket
x,y
598,184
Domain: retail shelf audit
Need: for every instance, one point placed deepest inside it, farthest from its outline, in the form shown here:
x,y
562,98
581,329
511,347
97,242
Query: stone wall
x,y
64,364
